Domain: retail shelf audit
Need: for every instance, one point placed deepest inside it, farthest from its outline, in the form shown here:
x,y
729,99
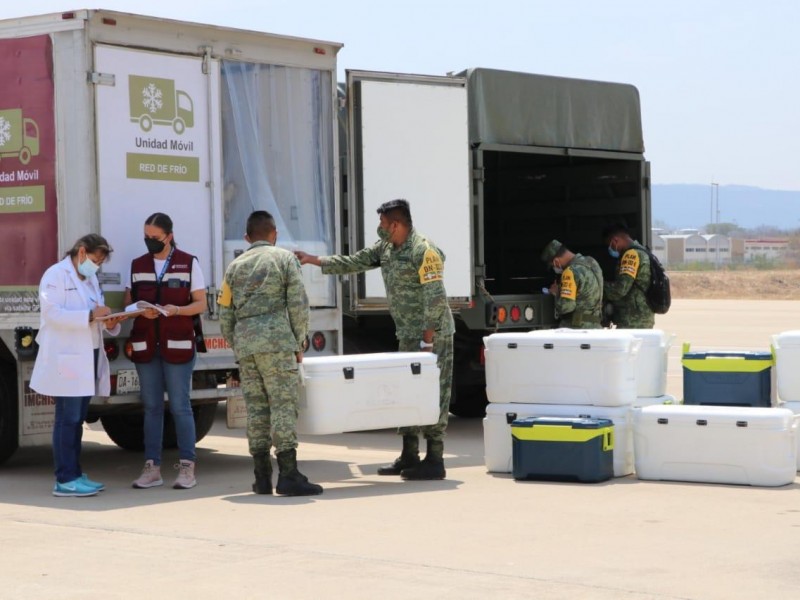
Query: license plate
x,y
127,381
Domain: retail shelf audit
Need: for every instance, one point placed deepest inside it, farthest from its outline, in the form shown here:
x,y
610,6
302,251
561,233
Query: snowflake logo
x,y
151,97
5,131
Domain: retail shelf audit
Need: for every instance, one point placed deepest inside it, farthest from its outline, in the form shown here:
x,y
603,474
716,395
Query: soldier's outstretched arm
x,y
307,259
227,316
363,260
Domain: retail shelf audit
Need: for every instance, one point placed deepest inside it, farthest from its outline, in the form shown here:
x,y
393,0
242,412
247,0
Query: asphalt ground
x,y
473,535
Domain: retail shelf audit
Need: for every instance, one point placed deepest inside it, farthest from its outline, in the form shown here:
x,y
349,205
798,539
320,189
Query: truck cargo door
x,y
408,139
155,150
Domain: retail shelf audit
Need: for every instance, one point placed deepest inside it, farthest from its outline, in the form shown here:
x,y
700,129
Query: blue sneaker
x,y
95,484
76,487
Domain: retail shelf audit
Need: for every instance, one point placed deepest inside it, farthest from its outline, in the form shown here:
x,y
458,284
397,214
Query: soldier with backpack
x,y
628,292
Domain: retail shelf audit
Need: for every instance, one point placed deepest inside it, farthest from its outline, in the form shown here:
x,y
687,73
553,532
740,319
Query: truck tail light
x,y
529,313
111,349
128,349
318,341
516,313
502,314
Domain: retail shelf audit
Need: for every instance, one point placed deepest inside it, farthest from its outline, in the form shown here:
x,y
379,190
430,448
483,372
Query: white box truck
x,y
107,117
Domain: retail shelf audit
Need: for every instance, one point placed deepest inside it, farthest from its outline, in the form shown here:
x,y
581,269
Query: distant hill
x,y
689,206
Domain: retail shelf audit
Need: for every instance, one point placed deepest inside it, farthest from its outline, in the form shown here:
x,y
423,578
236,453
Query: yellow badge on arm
x,y
432,268
629,264
225,297
569,291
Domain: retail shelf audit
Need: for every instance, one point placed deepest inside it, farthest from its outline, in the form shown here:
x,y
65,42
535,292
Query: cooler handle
x,y
608,440
349,372
702,422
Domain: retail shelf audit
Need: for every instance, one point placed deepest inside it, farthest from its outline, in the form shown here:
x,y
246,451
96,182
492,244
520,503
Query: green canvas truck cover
x,y
540,110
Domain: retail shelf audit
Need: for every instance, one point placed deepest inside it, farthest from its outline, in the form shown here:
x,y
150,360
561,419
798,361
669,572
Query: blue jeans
x,y
67,434
155,377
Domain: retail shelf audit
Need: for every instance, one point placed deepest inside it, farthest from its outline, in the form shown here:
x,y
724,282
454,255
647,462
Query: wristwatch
x,y
423,344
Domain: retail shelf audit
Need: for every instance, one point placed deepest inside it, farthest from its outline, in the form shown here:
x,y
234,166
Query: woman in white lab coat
x,y
71,365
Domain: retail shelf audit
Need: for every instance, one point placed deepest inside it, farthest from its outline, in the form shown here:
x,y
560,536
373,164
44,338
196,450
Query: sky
x,y
718,80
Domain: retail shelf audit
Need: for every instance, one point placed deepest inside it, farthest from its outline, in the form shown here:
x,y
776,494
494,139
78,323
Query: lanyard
x,y
166,265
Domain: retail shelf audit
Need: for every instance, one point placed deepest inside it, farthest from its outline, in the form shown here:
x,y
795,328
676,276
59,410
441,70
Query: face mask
x,y
558,270
87,268
612,252
153,246
383,234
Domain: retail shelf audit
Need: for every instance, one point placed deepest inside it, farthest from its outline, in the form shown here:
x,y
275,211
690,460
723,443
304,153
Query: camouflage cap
x,y
550,251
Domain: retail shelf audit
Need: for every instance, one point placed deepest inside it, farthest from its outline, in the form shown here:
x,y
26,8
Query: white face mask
x,y
558,270
88,268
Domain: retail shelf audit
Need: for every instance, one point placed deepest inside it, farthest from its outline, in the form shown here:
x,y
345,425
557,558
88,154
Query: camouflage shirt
x,y
263,302
627,291
414,278
580,301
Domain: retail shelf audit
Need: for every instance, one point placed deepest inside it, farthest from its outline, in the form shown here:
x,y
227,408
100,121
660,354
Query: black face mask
x,y
153,246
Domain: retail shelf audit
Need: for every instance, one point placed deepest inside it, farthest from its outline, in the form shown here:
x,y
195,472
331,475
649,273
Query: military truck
x,y
133,115
495,165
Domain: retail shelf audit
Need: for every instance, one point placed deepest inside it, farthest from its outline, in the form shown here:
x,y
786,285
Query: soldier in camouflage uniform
x,y
264,318
579,296
627,291
413,273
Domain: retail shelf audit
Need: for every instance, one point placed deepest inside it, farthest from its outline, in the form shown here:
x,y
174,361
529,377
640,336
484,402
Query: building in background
x,y
767,248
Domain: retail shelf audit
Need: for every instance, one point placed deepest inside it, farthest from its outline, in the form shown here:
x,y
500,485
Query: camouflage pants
x,y
271,393
443,348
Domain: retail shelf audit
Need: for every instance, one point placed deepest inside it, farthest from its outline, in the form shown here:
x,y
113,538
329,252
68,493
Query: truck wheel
x,y
178,126
146,123
8,413
25,155
127,431
468,401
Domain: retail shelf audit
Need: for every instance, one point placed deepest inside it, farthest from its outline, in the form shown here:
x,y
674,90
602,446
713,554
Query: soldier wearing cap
x,y
264,318
579,295
413,273
627,293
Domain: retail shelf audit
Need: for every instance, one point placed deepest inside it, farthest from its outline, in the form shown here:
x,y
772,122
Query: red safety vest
x,y
174,336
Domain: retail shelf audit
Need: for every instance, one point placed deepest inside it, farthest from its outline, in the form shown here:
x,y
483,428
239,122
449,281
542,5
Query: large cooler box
x,y
562,366
651,365
497,431
358,392
794,406
787,365
715,444
563,449
727,378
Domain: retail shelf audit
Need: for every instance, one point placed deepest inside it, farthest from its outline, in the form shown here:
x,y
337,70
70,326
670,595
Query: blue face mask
x,y
87,268
613,253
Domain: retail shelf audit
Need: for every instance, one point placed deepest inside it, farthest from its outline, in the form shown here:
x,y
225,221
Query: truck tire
x,y
25,155
9,425
127,430
146,123
178,126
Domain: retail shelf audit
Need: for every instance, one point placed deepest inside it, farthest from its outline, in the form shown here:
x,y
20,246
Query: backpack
x,y
657,294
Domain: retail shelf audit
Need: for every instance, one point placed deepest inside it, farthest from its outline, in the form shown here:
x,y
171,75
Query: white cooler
x,y
664,399
715,444
358,392
786,347
794,406
497,432
651,366
562,366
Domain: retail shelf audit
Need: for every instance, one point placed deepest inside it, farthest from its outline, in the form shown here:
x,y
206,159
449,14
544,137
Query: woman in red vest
x,y
164,346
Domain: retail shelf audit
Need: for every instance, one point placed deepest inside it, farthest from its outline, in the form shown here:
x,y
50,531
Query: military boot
x,y
263,472
292,482
408,458
431,467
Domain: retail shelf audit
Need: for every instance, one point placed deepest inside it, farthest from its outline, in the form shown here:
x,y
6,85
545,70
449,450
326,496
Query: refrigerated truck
x,y
495,164
238,120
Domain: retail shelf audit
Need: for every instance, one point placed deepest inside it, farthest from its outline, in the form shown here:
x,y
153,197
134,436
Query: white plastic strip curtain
x,y
278,151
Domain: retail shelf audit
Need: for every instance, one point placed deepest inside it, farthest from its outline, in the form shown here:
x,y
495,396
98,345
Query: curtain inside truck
x,y
277,143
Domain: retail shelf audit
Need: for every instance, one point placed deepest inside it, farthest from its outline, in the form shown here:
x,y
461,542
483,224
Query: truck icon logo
x,y
154,100
19,136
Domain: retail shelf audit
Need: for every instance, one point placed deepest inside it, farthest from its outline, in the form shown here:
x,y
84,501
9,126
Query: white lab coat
x,y
65,361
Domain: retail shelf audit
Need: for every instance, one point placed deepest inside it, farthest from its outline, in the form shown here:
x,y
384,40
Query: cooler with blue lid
x,y
727,378
563,449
